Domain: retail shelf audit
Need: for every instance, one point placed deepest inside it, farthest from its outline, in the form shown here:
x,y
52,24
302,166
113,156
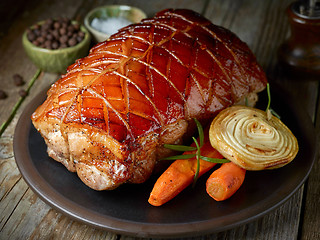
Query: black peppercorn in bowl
x,y
53,45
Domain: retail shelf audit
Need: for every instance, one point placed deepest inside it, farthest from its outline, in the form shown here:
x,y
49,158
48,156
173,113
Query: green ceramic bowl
x,y
132,14
56,61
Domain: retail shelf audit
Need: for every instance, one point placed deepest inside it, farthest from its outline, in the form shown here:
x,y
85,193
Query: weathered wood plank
x,y
12,56
149,7
233,16
275,225
16,208
57,226
24,215
152,7
20,223
21,210
263,31
311,212
264,228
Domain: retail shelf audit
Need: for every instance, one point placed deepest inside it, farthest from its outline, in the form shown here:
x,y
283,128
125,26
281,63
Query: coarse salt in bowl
x,y
104,21
110,25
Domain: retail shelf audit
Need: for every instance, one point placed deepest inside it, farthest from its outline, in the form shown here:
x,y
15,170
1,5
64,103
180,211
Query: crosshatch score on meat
x,y
108,117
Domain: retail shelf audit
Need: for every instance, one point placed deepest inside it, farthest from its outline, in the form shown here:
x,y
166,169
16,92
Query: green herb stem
x,y
200,131
214,160
270,111
246,102
274,113
196,175
18,104
197,154
269,97
180,148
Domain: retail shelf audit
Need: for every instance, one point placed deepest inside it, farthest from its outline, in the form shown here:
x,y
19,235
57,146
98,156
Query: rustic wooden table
x,y
262,25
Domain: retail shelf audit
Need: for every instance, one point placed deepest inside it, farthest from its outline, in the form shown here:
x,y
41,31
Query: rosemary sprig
x,y
180,148
197,155
214,160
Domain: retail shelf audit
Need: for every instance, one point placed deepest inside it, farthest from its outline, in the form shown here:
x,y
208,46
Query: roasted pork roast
x,y
108,117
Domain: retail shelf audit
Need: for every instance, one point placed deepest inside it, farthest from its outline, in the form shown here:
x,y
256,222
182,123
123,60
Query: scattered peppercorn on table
x,y
263,25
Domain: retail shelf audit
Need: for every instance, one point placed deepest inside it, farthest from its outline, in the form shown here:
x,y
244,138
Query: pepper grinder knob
x,y
300,53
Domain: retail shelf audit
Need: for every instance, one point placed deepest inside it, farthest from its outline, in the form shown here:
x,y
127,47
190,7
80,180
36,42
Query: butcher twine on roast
x,y
108,117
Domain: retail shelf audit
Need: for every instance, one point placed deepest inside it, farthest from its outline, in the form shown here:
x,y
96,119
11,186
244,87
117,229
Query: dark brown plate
x,y
126,210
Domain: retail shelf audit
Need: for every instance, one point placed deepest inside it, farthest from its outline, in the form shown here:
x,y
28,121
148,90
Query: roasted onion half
x,y
251,139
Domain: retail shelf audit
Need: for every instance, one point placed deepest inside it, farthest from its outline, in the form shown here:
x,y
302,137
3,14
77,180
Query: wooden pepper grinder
x,y
300,53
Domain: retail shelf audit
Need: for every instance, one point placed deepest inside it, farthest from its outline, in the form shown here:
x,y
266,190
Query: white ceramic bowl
x,y
132,14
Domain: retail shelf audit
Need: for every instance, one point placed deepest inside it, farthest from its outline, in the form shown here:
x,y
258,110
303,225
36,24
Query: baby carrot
x,y
181,173
225,181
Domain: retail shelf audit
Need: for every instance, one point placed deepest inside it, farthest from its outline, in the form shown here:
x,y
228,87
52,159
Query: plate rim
x,y
109,223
